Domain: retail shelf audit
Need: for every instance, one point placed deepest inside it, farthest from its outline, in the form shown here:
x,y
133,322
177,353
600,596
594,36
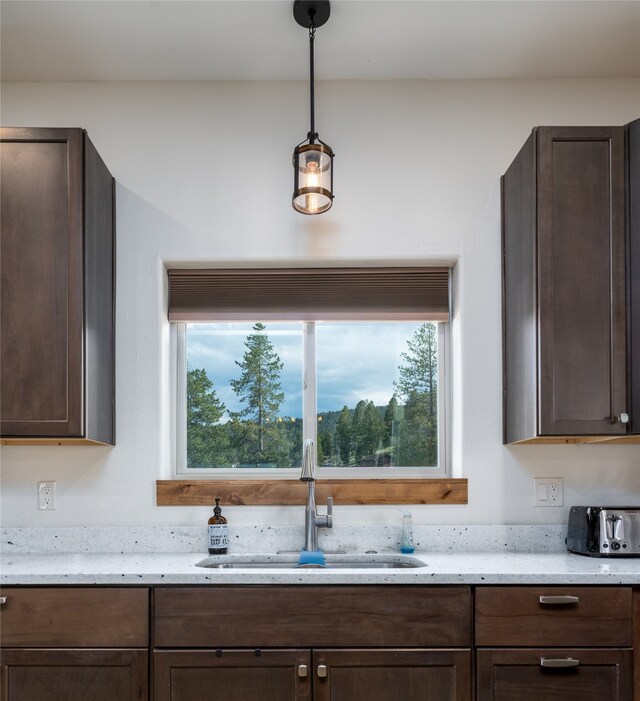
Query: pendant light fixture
x,y
312,158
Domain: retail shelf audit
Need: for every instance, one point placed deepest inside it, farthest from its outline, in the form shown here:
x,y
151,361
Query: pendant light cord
x,y
312,35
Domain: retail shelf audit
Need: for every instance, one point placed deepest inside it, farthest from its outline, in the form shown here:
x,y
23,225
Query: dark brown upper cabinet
x,y
570,287
633,272
57,287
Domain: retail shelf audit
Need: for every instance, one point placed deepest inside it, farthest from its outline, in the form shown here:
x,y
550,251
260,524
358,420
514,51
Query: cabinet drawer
x,y
594,675
313,616
74,675
74,617
535,616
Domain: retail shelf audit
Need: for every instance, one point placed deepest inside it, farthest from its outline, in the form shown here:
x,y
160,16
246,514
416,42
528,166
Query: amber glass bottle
x,y
218,537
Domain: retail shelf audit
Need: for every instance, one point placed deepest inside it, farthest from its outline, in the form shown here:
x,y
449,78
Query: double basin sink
x,y
290,562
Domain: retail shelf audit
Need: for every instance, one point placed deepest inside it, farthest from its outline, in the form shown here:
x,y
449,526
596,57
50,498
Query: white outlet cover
x,y
47,496
547,491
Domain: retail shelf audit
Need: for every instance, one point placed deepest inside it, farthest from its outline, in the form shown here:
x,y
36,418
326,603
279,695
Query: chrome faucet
x,y
313,520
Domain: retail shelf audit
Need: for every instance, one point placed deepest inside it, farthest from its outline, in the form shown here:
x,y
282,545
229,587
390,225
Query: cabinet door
x,y
232,675
581,281
74,675
390,675
42,282
506,675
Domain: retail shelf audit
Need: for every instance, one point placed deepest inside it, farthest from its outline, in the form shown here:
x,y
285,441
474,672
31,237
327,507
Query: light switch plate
x,y
547,491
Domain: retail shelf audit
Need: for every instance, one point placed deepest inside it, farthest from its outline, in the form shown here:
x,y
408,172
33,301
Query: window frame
x,y
309,408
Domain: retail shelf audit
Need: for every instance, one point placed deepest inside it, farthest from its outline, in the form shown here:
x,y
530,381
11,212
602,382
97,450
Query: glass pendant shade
x,y
313,180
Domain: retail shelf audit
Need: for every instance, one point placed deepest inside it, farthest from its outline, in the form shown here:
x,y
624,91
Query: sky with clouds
x,y
355,361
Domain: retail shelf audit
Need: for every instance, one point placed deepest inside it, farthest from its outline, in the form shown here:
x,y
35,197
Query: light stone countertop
x,y
488,554
139,568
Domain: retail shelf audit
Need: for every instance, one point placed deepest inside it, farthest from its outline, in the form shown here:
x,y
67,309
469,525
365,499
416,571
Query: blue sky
x,y
355,361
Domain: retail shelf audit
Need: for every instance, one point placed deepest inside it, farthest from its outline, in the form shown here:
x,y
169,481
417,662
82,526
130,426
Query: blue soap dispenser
x,y
406,541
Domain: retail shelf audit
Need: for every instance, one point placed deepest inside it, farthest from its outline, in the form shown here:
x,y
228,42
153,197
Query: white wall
x,y
204,174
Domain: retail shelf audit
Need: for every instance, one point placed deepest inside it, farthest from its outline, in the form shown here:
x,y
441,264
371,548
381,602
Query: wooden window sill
x,y
294,492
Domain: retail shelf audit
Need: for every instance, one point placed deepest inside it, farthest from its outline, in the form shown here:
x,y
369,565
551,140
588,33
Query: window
x,y
243,395
372,394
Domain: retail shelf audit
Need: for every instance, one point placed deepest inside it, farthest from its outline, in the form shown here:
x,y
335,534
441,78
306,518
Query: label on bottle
x,y
218,537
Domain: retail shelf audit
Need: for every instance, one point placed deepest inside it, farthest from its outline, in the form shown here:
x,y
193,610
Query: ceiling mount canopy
x,y
310,13
312,158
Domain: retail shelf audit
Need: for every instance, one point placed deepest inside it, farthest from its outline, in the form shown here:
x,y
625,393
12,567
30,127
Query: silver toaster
x,y
604,531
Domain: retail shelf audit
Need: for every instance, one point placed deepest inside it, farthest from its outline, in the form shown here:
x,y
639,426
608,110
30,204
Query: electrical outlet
x,y
547,491
47,496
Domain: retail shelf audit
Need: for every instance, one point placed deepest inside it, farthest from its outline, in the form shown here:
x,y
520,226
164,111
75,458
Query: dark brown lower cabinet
x,y
326,643
510,675
74,675
321,675
391,675
232,675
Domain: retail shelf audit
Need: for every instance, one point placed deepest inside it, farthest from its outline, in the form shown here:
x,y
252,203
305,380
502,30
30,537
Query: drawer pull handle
x,y
559,600
558,663
302,670
322,670
3,600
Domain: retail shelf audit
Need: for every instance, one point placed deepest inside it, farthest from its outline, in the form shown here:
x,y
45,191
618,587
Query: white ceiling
x,y
71,40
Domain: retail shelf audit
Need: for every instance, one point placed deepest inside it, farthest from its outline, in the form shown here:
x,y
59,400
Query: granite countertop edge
x,y
475,568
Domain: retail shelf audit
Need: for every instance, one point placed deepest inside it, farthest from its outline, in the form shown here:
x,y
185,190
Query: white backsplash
x,y
265,539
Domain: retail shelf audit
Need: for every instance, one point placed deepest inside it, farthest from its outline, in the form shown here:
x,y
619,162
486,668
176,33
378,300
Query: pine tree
x,y
343,434
261,438
419,373
390,417
207,441
367,430
373,429
293,431
417,386
359,431
417,435
325,447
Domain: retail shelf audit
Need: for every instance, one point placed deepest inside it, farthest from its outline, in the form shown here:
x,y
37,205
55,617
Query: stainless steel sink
x,y
288,562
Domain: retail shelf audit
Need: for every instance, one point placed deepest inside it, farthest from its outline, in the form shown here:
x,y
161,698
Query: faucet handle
x,y
329,512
